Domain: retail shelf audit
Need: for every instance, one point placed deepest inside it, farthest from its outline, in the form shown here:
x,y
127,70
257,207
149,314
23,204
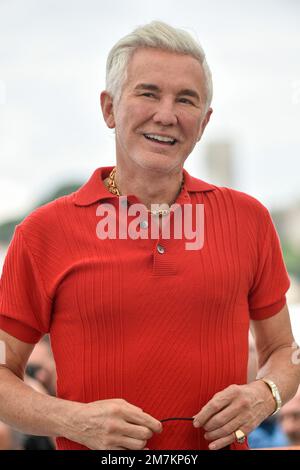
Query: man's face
x,y
290,419
160,115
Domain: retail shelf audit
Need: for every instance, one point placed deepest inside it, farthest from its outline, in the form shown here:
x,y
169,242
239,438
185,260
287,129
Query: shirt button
x,y
144,224
160,249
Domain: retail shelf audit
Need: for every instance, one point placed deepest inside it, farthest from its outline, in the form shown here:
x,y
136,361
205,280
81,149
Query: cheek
x,y
191,126
142,113
190,122
133,117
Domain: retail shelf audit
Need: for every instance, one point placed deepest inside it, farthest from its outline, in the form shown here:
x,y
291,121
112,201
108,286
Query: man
x,y
149,335
290,419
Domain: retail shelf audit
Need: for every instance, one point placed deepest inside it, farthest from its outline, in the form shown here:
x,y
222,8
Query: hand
x,y
237,407
112,424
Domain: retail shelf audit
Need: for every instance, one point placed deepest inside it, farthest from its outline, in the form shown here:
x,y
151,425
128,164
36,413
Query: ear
x,y
204,122
106,103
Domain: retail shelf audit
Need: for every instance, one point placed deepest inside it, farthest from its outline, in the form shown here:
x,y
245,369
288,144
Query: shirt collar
x,y
94,190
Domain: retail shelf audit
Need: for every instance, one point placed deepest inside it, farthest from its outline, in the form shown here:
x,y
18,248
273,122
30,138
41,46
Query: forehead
x,y
164,68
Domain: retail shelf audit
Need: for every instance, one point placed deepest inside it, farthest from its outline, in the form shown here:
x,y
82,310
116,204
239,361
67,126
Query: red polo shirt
x,y
146,320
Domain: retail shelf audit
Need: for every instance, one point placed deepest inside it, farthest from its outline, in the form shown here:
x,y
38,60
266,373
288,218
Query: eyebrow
x,y
185,92
147,86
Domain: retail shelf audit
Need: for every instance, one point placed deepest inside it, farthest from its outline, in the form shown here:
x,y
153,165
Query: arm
x,y
246,406
106,424
20,406
274,344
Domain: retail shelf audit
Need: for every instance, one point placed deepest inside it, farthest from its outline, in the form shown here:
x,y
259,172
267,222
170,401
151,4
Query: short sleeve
x,y
24,305
271,280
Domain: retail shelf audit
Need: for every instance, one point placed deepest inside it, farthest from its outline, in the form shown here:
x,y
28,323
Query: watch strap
x,y
276,394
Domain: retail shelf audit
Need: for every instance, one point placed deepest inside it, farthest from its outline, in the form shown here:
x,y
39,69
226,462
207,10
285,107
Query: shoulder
x,y
242,203
236,205
225,196
46,220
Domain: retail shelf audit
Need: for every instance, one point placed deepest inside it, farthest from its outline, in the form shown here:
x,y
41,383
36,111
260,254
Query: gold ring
x,y
240,437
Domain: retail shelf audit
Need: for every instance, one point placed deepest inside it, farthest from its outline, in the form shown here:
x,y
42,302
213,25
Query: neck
x,y
148,186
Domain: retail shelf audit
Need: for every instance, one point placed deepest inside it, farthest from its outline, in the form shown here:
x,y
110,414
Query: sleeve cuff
x,y
266,312
20,331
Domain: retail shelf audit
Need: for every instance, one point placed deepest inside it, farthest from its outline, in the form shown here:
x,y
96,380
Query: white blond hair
x,y
156,35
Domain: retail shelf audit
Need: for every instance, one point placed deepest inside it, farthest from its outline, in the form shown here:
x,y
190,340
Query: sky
x,y
52,69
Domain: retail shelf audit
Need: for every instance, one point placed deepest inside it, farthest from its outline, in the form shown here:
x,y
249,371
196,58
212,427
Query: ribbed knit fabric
x,y
163,331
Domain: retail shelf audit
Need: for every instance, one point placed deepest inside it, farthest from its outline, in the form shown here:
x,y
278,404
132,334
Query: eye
x,y
148,94
185,101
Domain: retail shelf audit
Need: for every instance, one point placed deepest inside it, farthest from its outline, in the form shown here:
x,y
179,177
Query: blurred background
x,y
52,136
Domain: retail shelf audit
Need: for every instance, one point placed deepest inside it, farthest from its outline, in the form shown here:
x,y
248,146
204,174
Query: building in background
x,y
219,163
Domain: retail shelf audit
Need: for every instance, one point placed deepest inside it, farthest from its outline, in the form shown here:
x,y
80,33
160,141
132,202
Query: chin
x,y
159,162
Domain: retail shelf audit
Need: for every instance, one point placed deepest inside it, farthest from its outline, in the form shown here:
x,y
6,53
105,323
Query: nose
x,y
165,113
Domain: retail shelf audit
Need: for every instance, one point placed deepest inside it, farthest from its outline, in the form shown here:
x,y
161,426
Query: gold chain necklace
x,y
113,188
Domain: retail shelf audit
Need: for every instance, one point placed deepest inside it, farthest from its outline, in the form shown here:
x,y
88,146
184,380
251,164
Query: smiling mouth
x,y
161,140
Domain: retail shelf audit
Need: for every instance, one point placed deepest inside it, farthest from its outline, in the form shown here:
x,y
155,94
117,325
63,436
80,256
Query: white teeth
x,y
160,138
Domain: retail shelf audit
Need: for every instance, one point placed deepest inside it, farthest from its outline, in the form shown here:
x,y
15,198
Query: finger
x,y
222,418
216,404
144,419
133,407
220,443
126,407
226,430
137,432
132,444
152,423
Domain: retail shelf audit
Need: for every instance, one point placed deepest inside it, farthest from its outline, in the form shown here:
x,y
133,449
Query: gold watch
x,y
275,392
